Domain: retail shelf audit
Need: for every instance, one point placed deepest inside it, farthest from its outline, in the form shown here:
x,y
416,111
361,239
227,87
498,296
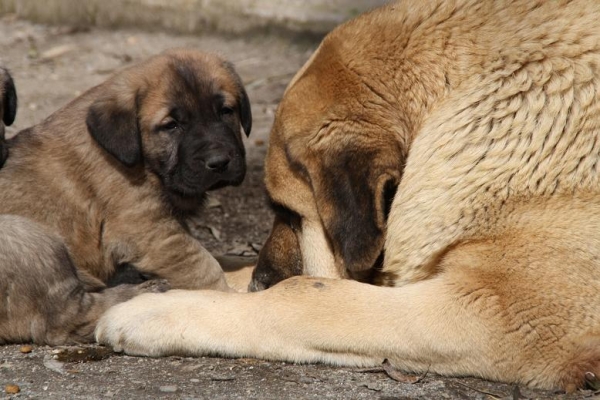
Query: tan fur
x,y
486,116
93,192
109,214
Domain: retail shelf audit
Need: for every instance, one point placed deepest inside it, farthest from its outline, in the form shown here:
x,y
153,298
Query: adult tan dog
x,y
486,115
114,174
8,109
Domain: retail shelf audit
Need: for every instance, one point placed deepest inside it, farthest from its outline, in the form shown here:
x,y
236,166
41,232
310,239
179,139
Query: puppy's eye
x,y
226,111
170,126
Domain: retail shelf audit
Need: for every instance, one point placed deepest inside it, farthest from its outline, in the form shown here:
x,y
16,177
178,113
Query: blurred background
x,y
193,16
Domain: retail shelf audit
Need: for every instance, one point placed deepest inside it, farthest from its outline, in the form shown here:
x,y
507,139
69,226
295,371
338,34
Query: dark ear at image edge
x,y
9,100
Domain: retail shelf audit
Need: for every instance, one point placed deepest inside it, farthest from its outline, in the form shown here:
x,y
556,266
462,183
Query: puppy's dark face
x,y
193,142
8,109
188,108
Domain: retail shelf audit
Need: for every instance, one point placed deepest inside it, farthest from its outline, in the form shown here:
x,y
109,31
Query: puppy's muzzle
x,y
223,167
218,162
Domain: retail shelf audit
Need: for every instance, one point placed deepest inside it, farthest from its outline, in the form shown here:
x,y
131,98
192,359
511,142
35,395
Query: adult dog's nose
x,y
217,162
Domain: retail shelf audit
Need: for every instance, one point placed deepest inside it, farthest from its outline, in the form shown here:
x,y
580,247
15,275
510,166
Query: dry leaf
x,y
215,232
56,52
256,246
54,365
243,249
212,202
399,376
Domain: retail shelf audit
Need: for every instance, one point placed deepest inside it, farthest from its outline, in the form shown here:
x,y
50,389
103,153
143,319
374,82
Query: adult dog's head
x,y
178,115
8,109
335,159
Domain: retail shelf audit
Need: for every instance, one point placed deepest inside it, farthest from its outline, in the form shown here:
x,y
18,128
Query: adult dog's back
x,y
461,140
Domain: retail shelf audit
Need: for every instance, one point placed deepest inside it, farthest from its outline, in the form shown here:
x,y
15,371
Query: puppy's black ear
x,y
112,121
354,195
244,109
9,99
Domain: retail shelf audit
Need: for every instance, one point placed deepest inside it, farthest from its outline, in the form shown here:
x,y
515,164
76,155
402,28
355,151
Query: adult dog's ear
x,y
280,257
244,108
113,123
9,99
354,194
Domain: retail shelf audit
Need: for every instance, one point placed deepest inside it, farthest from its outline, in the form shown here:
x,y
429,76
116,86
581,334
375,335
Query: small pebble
x,y
168,389
25,349
194,380
12,389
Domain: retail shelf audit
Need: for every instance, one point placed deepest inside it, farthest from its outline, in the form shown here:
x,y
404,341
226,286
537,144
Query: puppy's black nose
x,y
217,162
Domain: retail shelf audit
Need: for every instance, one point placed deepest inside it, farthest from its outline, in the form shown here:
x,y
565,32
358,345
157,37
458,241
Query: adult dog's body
x,y
113,174
486,117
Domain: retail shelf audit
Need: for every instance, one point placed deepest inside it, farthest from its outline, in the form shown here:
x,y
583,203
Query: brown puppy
x,y
113,174
8,109
461,139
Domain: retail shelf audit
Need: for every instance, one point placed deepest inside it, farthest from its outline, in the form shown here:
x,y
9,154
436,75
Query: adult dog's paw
x,y
181,322
141,326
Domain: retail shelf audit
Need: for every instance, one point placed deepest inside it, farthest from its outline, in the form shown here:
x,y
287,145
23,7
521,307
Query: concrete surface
x,y
192,16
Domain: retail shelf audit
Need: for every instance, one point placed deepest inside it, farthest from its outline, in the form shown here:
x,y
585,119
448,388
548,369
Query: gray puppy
x,y
43,298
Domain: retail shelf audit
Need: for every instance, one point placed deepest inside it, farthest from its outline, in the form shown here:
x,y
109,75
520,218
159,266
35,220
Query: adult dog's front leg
x,y
447,325
305,319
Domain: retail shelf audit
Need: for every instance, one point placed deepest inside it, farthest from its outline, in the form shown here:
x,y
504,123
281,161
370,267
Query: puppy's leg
x,y
42,297
166,251
457,323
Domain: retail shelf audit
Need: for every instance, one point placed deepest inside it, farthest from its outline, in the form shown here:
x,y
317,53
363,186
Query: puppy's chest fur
x,y
84,202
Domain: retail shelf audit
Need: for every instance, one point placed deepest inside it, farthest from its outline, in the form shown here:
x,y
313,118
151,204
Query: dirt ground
x,y
52,65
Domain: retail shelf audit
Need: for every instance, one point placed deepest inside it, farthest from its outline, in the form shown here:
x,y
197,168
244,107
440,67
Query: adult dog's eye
x,y
170,126
226,111
293,219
